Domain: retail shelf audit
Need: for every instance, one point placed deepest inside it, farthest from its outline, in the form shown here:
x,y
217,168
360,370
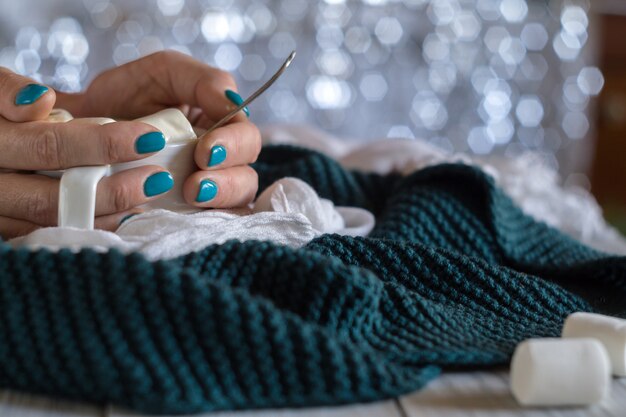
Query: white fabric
x,y
531,184
291,213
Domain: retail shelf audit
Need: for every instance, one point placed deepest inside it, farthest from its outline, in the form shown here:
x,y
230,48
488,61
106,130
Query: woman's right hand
x,y
29,143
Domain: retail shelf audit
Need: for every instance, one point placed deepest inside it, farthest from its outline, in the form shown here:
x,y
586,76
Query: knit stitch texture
x,y
454,275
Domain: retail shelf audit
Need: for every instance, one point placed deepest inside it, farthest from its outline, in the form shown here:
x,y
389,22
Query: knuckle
x,y
121,198
224,78
229,79
47,149
5,81
109,146
168,55
38,207
8,79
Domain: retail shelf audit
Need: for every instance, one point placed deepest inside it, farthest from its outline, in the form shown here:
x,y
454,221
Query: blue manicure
x,y
158,183
207,191
150,142
218,155
30,94
128,217
236,98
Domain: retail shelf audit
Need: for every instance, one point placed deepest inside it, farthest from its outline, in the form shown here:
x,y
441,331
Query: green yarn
x,y
454,274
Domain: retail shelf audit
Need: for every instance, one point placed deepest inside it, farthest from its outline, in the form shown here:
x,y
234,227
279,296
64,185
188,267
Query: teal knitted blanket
x,y
454,275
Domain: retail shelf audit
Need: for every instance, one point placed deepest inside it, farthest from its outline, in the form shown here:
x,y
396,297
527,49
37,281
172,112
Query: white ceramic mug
x,y
77,192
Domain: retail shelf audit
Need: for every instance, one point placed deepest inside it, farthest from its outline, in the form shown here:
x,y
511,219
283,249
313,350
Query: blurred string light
x,y
476,76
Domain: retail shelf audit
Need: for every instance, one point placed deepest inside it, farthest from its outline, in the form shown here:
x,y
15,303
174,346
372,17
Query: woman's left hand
x,y
205,94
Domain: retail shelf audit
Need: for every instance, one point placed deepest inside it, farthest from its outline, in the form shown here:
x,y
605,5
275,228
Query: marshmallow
x,y
560,372
611,331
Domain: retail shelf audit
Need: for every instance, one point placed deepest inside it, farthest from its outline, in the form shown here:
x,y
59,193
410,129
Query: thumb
x,y
23,99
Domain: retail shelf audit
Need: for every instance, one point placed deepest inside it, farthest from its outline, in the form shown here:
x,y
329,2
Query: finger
x,y
23,99
230,145
35,198
131,188
28,197
188,81
10,228
226,188
50,146
112,222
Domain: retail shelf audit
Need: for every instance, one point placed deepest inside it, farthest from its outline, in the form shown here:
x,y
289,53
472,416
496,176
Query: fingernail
x,y
30,94
128,217
150,142
207,191
218,155
158,183
236,98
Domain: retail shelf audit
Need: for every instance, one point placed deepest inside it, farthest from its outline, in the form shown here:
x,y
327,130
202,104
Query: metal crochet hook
x,y
257,93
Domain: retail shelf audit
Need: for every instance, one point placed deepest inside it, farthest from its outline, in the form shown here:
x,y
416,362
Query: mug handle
x,y
77,188
77,196
77,191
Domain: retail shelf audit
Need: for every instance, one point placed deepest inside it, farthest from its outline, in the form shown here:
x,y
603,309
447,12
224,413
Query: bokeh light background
x,y
477,76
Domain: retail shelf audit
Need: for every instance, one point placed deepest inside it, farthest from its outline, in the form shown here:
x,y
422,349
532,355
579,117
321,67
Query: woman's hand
x,y
205,95
27,143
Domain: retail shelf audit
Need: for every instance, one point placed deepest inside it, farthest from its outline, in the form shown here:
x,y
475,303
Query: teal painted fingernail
x,y
150,142
128,217
30,94
218,155
158,184
236,98
207,191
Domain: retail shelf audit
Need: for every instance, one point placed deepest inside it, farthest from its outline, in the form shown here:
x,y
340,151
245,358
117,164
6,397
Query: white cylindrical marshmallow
x,y
611,331
560,372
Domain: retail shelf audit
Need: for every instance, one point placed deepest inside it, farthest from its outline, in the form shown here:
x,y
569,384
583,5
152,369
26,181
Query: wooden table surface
x,y
484,394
